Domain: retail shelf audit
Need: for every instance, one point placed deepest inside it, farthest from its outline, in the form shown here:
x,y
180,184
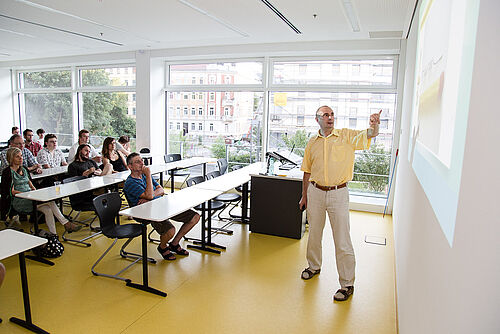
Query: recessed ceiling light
x,y
351,15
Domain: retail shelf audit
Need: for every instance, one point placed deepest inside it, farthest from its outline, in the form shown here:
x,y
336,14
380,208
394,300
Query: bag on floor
x,y
53,247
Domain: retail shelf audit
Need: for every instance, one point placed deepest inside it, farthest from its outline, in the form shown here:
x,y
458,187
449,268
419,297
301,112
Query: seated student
x,y
40,133
32,145
15,130
123,145
140,188
50,156
113,160
82,164
29,161
16,179
83,138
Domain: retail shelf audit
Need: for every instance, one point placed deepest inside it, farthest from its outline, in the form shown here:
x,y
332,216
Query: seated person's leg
x,y
189,219
2,273
166,231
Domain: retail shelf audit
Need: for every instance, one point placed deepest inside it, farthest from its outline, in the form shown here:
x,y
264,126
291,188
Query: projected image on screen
x,y
433,41
443,72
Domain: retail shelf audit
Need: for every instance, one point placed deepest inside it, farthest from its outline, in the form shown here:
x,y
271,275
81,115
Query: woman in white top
x,y
50,156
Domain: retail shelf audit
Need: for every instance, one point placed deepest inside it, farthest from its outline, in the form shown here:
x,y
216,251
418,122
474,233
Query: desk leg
x,y
161,179
145,285
172,171
28,324
202,245
35,224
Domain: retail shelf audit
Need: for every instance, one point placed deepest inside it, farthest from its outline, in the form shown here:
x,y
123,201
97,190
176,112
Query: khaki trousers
x,y
336,203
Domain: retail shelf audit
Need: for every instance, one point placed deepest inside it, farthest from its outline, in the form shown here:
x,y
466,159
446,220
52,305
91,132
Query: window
x,y
193,127
193,111
211,127
200,126
200,111
239,73
186,96
178,126
193,80
104,112
226,111
185,109
52,112
193,96
47,79
352,123
347,72
212,96
171,125
292,123
106,77
226,128
211,109
200,96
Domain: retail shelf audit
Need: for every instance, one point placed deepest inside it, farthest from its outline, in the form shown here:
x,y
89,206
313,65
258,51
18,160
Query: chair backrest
x,y
145,150
213,175
107,207
73,179
222,163
235,167
172,157
194,180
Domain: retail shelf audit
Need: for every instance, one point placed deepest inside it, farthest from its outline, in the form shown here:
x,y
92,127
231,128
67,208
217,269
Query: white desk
x,y
46,172
66,189
231,180
13,242
56,192
161,209
170,205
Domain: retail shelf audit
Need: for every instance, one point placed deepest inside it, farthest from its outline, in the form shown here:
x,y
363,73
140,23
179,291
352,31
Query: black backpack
x,y
53,247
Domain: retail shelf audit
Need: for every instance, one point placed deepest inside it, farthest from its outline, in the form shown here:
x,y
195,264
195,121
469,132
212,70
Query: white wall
x,y
6,110
443,289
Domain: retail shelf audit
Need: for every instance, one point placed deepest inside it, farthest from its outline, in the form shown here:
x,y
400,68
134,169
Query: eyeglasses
x,y
325,115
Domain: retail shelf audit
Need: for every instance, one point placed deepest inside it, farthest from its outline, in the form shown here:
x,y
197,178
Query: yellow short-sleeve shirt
x,y
330,160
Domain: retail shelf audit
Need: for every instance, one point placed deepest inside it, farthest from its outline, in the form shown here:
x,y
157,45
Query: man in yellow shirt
x,y
328,165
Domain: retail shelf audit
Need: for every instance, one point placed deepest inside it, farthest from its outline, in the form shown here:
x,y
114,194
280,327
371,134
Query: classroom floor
x,y
252,287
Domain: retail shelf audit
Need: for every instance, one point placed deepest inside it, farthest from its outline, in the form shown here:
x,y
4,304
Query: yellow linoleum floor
x,y
252,287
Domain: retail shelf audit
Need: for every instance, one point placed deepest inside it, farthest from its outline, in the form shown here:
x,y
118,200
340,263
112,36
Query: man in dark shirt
x,y
83,165
140,188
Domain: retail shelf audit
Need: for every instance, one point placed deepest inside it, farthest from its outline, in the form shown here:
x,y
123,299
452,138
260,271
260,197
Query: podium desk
x,y
274,206
13,242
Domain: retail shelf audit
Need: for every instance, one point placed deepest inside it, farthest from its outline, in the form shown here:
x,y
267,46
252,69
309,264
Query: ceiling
x,y
49,28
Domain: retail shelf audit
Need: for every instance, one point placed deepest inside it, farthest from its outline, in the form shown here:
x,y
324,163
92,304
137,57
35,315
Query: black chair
x,y
79,203
149,160
222,163
215,205
176,157
227,199
107,207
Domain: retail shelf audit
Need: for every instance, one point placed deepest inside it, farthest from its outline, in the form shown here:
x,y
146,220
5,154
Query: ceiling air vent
x,y
386,34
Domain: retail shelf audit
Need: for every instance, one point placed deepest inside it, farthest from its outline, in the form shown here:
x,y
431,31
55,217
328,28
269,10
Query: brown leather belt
x,y
343,185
